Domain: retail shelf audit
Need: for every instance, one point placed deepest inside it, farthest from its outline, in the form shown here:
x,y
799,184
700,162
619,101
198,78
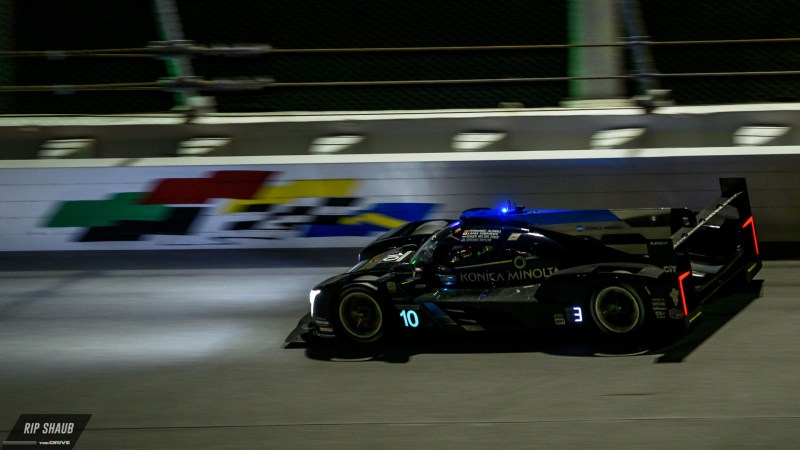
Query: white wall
x,y
31,196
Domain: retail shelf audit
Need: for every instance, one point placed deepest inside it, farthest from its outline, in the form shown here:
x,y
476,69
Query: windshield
x,y
463,246
425,253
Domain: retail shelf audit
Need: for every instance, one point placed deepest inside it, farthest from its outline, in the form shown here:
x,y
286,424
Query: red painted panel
x,y
239,184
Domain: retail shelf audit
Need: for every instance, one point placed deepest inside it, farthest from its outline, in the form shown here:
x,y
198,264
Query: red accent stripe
x,y
683,293
238,184
750,222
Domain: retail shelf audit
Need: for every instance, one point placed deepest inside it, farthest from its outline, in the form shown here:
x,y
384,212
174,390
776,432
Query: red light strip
x,y
683,293
752,224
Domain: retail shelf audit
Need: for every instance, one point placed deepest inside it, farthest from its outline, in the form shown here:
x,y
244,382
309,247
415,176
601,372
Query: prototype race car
x,y
617,272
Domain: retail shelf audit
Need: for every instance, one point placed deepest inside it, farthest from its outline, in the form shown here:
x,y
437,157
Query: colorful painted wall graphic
x,y
235,204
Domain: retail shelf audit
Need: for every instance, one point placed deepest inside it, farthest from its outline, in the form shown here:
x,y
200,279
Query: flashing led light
x,y
508,206
683,293
312,296
750,223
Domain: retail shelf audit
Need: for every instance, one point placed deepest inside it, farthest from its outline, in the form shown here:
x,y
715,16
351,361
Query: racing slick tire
x,y
617,310
360,315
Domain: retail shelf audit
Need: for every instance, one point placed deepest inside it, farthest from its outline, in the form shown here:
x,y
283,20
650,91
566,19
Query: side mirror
x,y
404,269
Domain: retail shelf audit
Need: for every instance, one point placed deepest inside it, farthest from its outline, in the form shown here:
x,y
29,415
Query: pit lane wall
x,y
346,200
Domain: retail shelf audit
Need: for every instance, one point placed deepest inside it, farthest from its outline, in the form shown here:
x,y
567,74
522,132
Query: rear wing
x,y
673,254
734,194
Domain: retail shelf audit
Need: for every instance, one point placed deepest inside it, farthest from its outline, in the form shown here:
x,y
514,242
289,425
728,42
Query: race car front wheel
x,y
360,315
617,310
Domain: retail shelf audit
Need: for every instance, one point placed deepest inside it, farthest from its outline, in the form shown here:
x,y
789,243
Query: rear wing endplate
x,y
734,194
673,254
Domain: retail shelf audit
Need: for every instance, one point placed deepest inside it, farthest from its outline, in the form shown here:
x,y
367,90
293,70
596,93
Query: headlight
x,y
311,297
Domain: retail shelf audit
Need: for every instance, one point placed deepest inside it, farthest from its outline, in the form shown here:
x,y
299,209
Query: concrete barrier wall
x,y
340,202
398,132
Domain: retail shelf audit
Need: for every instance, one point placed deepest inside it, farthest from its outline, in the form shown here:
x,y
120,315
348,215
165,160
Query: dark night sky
x,y
85,24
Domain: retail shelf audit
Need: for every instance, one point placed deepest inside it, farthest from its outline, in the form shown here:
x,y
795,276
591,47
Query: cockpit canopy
x,y
460,246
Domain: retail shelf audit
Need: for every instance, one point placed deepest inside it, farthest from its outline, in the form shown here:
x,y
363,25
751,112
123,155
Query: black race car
x,y
617,272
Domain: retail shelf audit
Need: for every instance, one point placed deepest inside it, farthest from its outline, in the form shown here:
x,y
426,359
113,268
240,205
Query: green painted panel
x,y
104,213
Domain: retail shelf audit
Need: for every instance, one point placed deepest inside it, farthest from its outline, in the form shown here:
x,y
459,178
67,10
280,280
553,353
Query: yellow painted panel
x,y
373,219
283,194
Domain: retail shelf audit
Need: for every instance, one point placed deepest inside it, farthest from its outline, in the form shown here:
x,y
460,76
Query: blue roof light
x,y
509,206
542,216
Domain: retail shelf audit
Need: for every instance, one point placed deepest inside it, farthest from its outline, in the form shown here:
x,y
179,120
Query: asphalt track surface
x,y
185,350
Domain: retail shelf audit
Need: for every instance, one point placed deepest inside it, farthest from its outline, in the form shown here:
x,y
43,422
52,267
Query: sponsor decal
x,y
503,277
447,280
397,257
659,307
35,430
675,295
480,235
676,313
604,227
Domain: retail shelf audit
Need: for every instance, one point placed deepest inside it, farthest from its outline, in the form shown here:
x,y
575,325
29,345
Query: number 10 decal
x,y
410,318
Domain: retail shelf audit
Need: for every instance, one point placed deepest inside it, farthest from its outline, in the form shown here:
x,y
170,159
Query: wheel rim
x,y
360,315
617,310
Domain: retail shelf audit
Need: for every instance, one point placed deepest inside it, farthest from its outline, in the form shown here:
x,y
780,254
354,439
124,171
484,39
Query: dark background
x,y
313,24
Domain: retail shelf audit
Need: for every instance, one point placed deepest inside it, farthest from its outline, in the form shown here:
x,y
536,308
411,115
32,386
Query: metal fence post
x,y
7,65
594,22
178,66
643,66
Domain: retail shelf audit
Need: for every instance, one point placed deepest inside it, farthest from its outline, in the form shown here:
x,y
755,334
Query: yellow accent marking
x,y
373,219
283,194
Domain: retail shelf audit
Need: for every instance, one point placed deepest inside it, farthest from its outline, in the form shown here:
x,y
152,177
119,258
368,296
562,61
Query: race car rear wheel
x,y
617,310
360,315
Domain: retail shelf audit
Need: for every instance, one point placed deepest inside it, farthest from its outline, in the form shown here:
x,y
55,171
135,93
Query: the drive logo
x,y
58,430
